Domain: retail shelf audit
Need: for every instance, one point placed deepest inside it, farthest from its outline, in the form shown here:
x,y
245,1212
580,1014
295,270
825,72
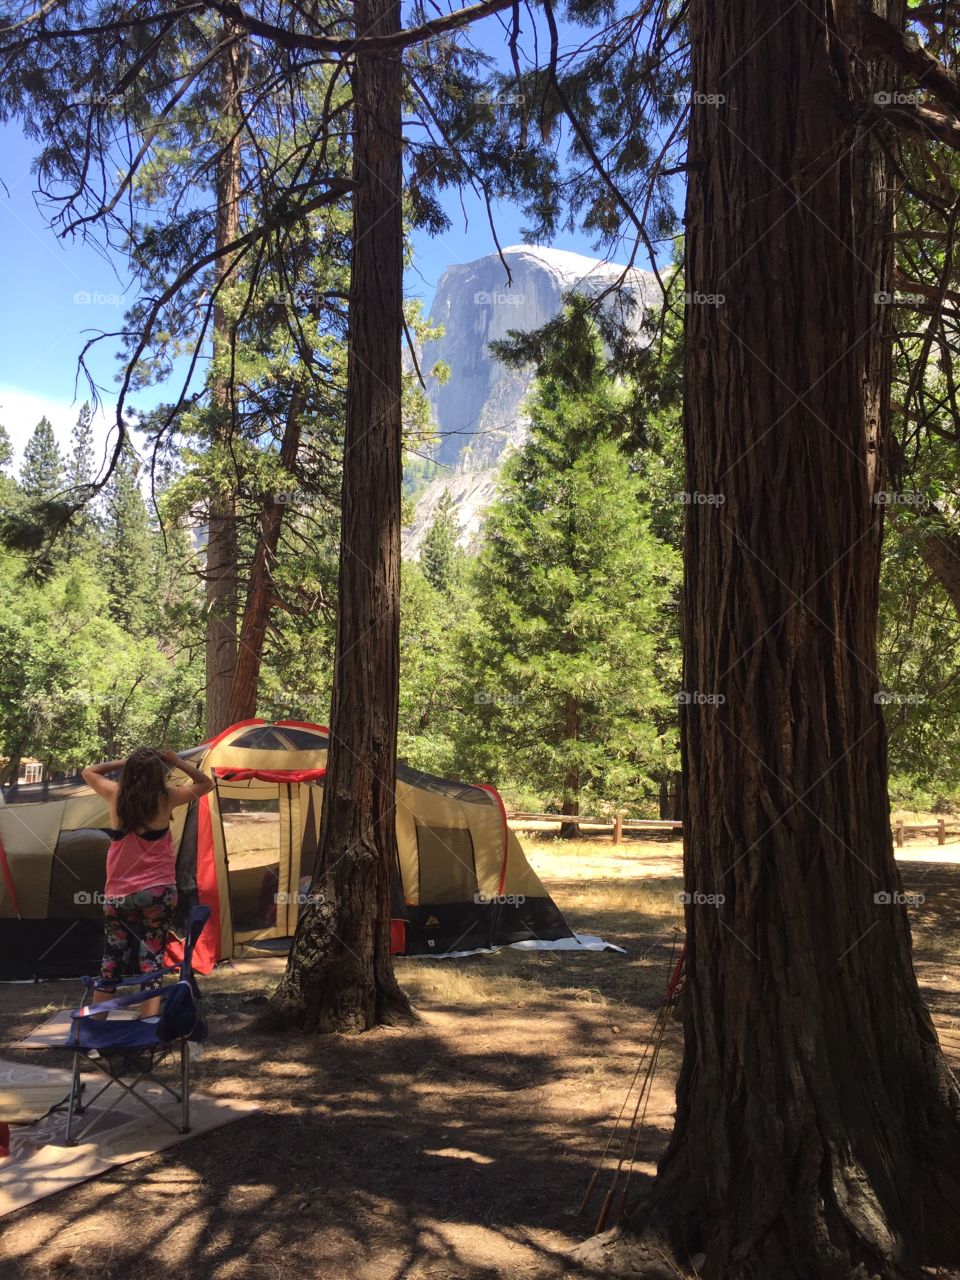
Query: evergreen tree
x,y
38,510
79,467
129,548
431,677
441,558
42,470
566,665
80,535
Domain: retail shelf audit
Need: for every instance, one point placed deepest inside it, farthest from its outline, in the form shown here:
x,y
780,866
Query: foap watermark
x,y
898,98
886,298
698,899
698,499
299,899
708,99
887,697
98,100
696,698
294,498
91,298
886,898
496,697
501,99
483,298
499,899
698,299
889,498
94,898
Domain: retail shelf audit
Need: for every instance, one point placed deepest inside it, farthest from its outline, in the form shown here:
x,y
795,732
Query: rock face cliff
x,y
479,410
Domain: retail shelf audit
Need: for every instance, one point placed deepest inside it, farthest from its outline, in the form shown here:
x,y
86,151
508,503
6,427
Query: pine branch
x,y
905,51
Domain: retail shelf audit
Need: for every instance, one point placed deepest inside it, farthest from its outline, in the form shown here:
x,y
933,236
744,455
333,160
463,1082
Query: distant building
x,y
30,770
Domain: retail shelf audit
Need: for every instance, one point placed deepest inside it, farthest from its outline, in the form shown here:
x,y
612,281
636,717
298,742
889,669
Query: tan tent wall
x,y
445,818
521,879
29,834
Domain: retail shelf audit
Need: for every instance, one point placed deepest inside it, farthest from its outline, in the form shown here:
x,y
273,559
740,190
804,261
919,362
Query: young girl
x,y
141,889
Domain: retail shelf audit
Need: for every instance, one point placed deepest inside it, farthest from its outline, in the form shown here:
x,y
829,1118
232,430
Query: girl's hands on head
x,y
170,757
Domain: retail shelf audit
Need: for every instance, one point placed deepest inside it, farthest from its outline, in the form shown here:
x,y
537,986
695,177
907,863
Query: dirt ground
x,y
457,1149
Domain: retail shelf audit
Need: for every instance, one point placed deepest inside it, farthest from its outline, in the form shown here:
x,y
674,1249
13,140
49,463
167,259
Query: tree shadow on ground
x,y
457,1148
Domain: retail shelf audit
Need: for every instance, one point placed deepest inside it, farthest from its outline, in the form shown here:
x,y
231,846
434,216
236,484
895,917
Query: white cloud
x,y
20,411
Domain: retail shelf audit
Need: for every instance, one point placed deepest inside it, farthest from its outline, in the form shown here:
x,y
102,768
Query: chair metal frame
x,y
157,1050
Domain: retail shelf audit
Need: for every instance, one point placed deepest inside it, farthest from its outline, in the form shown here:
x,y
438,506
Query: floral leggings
x,y
143,917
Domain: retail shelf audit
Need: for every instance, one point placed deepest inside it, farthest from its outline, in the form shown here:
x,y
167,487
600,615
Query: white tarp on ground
x,y
579,942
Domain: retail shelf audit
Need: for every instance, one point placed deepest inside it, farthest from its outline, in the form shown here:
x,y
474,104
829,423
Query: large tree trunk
x,y
340,974
221,559
941,553
256,613
671,789
817,1133
11,770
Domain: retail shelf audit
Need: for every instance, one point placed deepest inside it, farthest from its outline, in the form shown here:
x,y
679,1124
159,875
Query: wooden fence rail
x,y
618,824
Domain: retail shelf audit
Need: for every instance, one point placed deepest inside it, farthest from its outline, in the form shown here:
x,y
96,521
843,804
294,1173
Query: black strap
x,y
151,833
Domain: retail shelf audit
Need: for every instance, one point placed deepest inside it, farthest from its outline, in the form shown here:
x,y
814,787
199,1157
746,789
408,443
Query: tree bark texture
x,y
340,974
941,554
817,1134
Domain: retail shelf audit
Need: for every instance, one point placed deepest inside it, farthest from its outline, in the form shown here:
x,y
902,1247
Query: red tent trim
x,y
241,724
207,951
303,724
228,774
8,880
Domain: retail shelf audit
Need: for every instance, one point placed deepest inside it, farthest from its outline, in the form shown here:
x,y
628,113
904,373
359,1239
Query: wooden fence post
x,y
941,831
898,829
618,828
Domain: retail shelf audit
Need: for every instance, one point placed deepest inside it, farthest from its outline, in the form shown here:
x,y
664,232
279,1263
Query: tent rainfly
x,y
247,850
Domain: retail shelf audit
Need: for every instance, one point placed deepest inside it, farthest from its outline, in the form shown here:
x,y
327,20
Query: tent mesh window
x,y
77,873
251,830
269,737
461,791
448,870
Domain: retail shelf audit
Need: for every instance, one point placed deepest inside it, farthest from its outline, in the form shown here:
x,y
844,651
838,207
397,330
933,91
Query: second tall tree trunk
x,y
340,975
221,565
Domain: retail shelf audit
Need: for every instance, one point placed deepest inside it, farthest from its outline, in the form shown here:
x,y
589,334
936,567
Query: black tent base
x,y
461,926
38,949
477,926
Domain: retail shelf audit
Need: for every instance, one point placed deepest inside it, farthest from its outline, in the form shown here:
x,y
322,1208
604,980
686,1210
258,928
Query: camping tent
x,y
247,849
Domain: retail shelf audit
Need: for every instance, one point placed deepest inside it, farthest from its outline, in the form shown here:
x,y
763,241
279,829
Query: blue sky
x,y
57,294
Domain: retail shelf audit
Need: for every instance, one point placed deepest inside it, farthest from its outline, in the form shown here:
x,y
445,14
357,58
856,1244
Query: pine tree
x,y
79,468
38,510
42,470
573,594
80,535
441,558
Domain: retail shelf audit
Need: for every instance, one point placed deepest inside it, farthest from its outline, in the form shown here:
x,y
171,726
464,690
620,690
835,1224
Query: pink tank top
x,y
134,864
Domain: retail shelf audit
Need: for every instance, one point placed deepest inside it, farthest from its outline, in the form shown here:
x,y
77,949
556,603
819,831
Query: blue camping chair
x,y
136,1047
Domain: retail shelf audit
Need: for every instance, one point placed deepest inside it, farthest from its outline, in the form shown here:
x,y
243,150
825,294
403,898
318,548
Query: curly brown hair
x,y
142,783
